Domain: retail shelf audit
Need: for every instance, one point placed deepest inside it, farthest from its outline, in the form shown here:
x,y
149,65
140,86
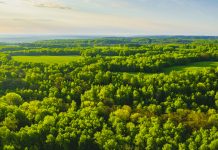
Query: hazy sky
x,y
109,17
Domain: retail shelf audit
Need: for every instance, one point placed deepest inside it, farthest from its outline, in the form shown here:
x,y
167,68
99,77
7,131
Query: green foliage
x,y
214,144
110,93
12,99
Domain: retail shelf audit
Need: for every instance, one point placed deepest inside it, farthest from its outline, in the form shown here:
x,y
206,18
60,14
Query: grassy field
x,y
47,59
192,66
188,67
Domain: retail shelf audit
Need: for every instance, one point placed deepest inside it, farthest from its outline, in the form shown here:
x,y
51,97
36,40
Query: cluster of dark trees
x,y
95,103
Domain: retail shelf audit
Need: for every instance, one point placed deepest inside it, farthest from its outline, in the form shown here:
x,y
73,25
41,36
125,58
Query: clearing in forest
x,y
192,66
47,59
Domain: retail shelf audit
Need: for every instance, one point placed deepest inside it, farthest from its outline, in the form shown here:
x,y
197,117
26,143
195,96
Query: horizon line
x,y
105,35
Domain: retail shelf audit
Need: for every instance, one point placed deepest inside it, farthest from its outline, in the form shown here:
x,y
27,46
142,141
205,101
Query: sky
x,y
109,17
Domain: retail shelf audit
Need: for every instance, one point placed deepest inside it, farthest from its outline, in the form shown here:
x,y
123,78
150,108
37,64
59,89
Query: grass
x,y
188,67
192,66
47,59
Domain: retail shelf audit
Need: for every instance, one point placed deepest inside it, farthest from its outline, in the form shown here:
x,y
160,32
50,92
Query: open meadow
x,y
193,66
47,59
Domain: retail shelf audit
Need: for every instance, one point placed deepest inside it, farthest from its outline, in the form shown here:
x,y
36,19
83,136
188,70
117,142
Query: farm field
x,y
192,66
47,59
197,66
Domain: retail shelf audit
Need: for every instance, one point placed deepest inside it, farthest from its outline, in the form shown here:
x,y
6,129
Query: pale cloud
x,y
48,4
106,3
2,2
52,5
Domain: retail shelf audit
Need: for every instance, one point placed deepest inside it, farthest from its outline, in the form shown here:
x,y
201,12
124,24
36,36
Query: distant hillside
x,y
101,40
129,41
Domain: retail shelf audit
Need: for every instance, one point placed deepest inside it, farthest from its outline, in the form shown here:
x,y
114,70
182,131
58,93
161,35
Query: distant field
x,y
47,59
193,66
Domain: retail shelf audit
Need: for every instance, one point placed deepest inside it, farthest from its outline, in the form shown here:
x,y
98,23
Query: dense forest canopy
x,y
118,96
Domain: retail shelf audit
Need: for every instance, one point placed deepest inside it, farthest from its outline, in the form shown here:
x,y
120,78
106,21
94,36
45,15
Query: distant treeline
x,y
128,41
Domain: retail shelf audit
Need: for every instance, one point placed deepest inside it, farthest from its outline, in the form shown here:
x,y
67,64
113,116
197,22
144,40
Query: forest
x,y
114,93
